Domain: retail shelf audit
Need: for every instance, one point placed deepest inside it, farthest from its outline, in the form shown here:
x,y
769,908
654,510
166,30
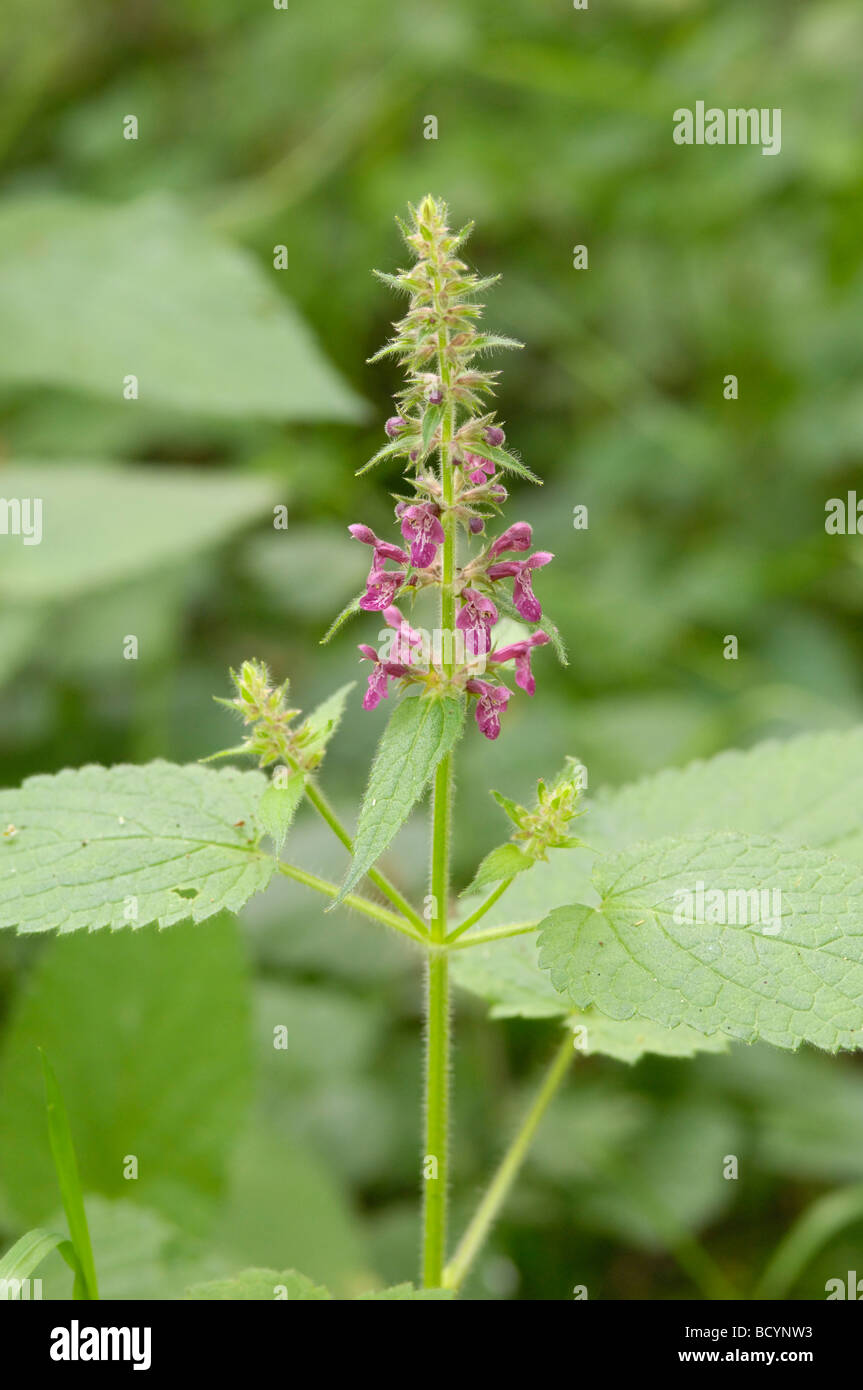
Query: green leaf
x,y
630,1039
515,812
278,806
431,420
151,1040
28,1253
505,861
805,790
66,1168
349,611
260,1285
90,293
323,721
420,732
506,606
629,957
402,445
124,846
105,525
504,460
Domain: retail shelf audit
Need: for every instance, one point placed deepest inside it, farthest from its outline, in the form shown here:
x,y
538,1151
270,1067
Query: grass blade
x,y
66,1167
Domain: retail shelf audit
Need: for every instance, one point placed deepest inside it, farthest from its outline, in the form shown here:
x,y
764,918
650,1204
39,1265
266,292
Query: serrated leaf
x,y
420,732
629,957
166,516
630,1039
278,806
505,861
403,445
199,323
124,846
261,1285
149,1035
805,790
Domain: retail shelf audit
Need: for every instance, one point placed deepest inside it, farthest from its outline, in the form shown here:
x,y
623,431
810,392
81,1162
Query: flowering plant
x,y
706,910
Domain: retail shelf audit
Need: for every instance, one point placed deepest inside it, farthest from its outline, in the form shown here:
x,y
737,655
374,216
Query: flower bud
x,y
394,425
494,436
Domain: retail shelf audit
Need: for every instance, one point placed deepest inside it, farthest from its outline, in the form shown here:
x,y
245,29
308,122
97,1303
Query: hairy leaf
x,y
420,733
798,978
124,846
505,861
260,1285
278,806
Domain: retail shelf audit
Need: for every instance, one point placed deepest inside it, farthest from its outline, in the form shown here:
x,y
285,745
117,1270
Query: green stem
x,y
364,905
481,910
480,938
389,890
483,1219
818,1224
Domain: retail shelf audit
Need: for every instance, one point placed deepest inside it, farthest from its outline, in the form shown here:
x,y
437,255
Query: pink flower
x,y
478,469
523,596
492,701
379,679
381,586
518,537
520,653
494,436
407,638
394,425
385,549
421,526
476,618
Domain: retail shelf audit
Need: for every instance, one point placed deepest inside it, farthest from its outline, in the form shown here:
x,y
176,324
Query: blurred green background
x,y
260,128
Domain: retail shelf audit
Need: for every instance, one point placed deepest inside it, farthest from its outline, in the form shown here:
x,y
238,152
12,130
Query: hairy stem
x,y
818,1224
437,1006
479,938
364,905
478,1230
481,910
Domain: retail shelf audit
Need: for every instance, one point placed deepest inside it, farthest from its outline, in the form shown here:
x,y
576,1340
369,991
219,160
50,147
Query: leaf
x,y
431,420
506,973
420,732
124,846
505,861
90,293
66,1169
629,957
150,1032
323,721
509,610
404,444
349,611
141,1256
262,1285
27,1254
805,790
105,524
504,460
277,808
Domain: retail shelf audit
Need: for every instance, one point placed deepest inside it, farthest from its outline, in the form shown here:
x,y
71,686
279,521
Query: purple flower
x,y
523,596
520,653
476,525
384,550
518,537
494,436
379,678
434,396
408,636
381,586
476,618
394,425
478,469
492,700
421,526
